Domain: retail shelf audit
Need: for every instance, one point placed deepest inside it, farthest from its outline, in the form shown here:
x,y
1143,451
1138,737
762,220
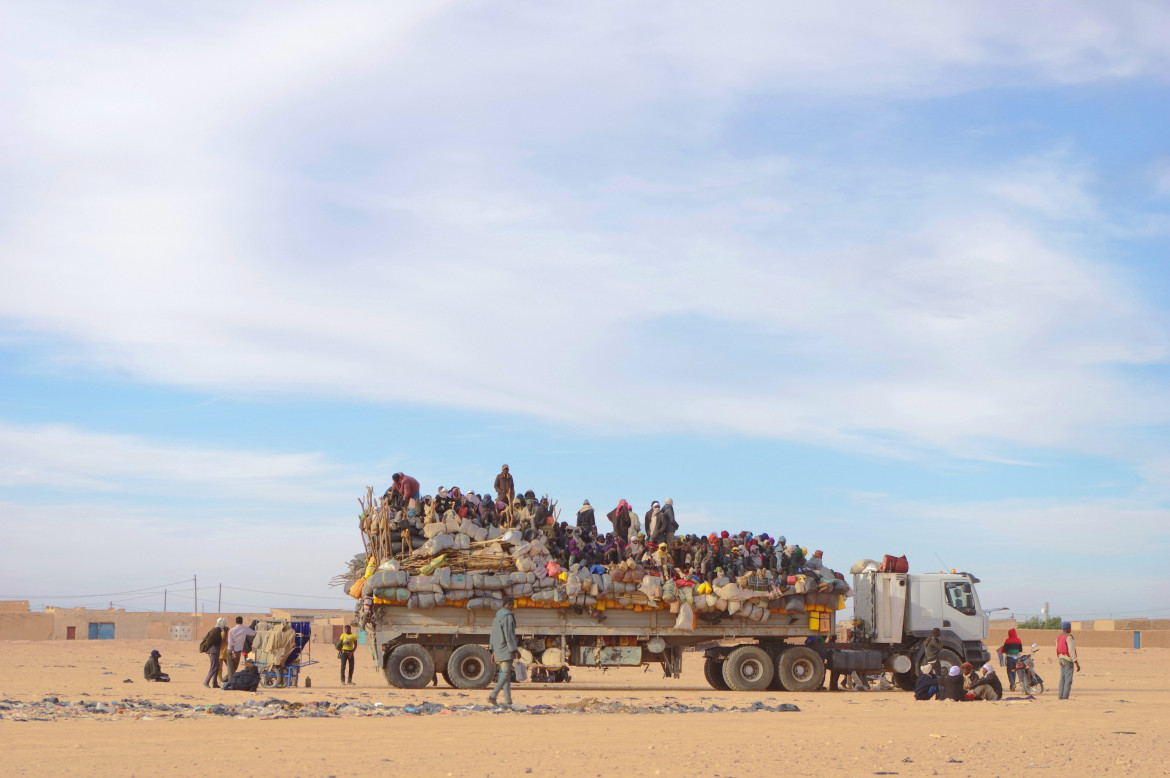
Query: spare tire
x,y
410,666
713,671
470,667
801,669
748,669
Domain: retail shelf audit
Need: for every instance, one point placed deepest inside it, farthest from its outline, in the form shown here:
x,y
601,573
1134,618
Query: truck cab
x,y
947,601
898,611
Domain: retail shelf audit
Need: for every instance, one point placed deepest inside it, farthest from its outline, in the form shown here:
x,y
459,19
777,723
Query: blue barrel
x,y
1137,639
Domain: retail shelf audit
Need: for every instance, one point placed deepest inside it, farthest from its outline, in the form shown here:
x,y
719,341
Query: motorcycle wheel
x,y
1037,684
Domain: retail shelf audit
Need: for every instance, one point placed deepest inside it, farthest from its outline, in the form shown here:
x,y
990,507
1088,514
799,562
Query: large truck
x,y
894,614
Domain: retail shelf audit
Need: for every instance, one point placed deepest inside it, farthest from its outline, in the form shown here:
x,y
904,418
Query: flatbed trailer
x,y
415,647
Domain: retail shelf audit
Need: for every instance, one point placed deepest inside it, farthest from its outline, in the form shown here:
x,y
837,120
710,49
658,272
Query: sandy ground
x,y
1117,722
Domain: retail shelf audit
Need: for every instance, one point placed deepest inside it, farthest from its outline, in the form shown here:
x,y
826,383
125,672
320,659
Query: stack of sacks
x,y
525,571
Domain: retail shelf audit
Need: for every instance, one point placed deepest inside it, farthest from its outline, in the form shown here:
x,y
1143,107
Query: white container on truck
x,y
898,611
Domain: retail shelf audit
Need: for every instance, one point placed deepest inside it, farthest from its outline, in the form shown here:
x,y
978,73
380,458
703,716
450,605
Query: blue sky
x,y
883,278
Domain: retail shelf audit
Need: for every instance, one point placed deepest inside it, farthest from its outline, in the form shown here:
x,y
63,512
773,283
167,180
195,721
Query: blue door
x,y
101,631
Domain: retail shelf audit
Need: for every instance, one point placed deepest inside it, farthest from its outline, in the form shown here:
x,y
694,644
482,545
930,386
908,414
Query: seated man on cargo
x,y
152,671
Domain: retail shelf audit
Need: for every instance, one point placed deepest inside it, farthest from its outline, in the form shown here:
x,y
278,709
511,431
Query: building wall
x,y
26,626
1045,639
13,606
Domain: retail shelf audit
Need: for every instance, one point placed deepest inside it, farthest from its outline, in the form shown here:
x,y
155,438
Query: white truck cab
x,y
898,611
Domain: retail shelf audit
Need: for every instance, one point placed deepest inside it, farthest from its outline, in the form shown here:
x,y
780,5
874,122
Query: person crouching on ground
x,y
952,685
988,687
504,652
152,671
246,680
927,686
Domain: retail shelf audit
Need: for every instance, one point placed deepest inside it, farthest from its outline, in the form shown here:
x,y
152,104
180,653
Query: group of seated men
x,y
649,540
959,683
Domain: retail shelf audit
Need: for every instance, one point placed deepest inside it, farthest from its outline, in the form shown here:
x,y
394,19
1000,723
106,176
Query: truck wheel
x,y
713,671
410,667
801,669
748,669
948,659
905,681
470,667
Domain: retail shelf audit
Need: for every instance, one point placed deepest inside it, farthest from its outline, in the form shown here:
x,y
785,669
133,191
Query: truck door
x,y
962,611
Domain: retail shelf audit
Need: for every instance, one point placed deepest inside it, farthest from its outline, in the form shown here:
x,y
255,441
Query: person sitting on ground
x,y
152,671
927,686
988,687
952,685
246,680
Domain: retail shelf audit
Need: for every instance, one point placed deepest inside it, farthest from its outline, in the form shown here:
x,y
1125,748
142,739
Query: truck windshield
x,y
960,597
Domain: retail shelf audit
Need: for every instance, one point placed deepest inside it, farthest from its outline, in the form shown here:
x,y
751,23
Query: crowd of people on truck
x,y
650,539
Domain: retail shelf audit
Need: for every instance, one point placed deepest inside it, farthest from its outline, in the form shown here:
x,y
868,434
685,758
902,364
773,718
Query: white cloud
x,y
173,192
63,457
296,551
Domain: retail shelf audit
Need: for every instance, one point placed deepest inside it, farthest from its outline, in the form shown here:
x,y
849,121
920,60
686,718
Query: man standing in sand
x,y
930,650
346,646
504,652
237,637
1066,653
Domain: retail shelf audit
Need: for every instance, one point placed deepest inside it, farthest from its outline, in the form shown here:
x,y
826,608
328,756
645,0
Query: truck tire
x,y
470,667
713,671
777,685
410,667
748,669
905,681
948,659
801,669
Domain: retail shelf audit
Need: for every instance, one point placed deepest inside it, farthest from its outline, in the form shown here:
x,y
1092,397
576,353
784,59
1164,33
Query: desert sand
x,y
1117,723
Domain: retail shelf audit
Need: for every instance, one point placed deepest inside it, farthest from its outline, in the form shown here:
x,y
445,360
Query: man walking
x,y
504,652
237,637
1066,653
346,645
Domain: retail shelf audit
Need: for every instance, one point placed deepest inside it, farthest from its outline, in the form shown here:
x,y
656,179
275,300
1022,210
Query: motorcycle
x,y
1029,680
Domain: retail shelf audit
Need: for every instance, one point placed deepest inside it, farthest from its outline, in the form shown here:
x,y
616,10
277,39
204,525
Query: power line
x,y
286,594
86,596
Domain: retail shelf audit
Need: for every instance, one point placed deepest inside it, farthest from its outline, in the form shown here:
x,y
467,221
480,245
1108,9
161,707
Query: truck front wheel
x,y
748,669
410,667
801,669
470,667
713,672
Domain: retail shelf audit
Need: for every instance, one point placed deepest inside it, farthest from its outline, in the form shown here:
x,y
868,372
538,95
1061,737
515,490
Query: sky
x,y
879,277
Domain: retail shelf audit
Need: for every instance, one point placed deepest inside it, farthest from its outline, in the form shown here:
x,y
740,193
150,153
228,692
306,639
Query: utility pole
x,y
164,600
219,602
196,595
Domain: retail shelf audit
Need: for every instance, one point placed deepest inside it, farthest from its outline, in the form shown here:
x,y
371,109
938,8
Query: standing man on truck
x,y
504,651
1066,653
505,487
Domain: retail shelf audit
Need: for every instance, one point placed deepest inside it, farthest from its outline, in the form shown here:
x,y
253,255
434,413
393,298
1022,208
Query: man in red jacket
x,y
405,487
